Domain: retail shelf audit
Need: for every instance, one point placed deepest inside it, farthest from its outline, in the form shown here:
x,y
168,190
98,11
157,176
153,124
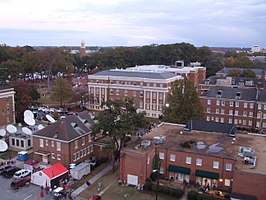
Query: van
x,y
8,173
22,173
16,184
95,197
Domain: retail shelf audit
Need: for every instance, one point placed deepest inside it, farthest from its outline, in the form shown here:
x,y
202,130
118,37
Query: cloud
x,y
129,22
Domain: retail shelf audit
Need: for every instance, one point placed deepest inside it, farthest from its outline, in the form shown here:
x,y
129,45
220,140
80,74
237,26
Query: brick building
x,y
199,157
7,106
66,141
148,89
244,107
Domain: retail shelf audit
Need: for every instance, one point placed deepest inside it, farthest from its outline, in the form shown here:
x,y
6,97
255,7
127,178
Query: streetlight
x,y
158,177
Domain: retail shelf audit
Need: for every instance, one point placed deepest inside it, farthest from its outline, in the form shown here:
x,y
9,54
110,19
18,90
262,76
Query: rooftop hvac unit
x,y
145,143
158,139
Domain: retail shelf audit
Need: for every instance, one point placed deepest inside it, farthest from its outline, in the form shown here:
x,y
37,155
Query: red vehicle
x,y
20,182
95,197
8,173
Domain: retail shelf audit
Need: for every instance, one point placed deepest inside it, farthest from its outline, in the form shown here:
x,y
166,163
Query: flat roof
x,y
206,143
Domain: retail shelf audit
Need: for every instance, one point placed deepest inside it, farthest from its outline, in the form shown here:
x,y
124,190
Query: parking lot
x,y
28,192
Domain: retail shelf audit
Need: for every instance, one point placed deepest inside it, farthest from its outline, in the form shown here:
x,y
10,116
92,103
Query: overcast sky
x,y
220,23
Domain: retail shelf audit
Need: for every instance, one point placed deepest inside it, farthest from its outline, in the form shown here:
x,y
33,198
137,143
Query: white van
x,y
22,173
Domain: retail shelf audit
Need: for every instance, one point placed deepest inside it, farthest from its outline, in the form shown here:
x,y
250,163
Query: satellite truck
x,y
81,170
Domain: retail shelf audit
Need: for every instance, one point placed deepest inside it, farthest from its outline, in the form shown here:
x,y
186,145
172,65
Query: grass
x,y
7,154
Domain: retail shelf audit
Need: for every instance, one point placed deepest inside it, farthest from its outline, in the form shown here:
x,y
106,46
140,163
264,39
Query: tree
x,y
34,94
62,90
118,119
22,98
234,72
183,103
248,73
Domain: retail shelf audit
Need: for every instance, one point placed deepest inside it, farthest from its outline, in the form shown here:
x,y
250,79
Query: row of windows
x,y
83,152
20,143
132,83
199,161
230,120
233,103
231,112
56,156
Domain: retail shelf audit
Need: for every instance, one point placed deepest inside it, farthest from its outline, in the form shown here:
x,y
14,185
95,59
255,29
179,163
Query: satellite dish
x,y
11,129
29,121
28,114
26,131
40,127
3,146
50,118
2,132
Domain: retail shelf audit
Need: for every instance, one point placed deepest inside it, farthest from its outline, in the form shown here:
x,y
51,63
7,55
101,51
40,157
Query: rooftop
x,y
208,143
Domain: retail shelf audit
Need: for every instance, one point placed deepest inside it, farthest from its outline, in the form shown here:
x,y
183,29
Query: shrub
x,y
148,179
171,191
166,190
179,193
148,186
192,195
154,187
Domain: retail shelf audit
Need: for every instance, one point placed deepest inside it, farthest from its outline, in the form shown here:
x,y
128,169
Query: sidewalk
x,y
76,192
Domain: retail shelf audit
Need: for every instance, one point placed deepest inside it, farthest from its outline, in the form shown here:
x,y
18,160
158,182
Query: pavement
x,y
94,179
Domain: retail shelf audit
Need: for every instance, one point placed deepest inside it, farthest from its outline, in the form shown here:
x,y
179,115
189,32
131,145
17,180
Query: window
x,y
245,105
215,165
41,142
251,114
52,143
83,141
52,155
231,104
134,93
227,182
222,120
172,157
13,141
222,111
58,146
236,112
154,95
259,106
89,138
22,143
230,112
199,162
76,144
148,160
208,118
228,167
237,104
216,119
230,120
161,155
217,102
209,102
46,142
117,92
208,110
223,103
236,120
217,110
245,113
188,160
126,93
244,122
148,94
251,105
250,123
58,157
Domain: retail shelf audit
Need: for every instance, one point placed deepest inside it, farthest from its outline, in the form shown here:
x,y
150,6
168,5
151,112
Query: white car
x,y
22,173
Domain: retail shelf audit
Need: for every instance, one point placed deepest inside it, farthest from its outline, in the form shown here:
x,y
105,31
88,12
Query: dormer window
x,y
238,95
219,93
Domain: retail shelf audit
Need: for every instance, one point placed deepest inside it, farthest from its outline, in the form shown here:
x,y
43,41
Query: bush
x,y
166,190
148,179
171,191
148,186
192,195
154,187
179,193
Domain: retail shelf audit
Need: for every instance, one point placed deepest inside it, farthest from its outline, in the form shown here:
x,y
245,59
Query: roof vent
x,y
74,125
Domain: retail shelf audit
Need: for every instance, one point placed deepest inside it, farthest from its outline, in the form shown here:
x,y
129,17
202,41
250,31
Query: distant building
x,y
255,49
199,156
260,73
82,49
7,106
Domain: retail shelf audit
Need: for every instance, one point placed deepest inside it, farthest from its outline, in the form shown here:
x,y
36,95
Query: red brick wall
x,y
250,184
6,111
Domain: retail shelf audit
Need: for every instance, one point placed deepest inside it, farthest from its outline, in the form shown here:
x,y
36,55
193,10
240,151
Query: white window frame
x,y
209,102
198,162
76,144
53,156
215,165
227,182
58,157
172,157
41,142
161,155
188,160
245,105
228,167
58,146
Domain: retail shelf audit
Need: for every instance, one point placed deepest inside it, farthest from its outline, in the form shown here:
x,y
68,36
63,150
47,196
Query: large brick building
x,y
200,158
148,85
7,106
244,107
66,141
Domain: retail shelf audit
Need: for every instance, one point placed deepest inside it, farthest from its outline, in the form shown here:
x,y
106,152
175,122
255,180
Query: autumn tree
x,y
248,73
61,90
183,103
118,119
234,72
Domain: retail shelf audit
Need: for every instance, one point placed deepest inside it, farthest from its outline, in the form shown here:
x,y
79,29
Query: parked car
x,y
3,168
95,197
20,182
22,173
8,173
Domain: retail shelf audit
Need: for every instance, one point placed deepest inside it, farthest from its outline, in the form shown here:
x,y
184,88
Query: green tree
x,y
234,72
62,90
118,119
34,94
183,103
248,73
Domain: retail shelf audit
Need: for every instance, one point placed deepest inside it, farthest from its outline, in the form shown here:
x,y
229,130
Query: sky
x,y
213,23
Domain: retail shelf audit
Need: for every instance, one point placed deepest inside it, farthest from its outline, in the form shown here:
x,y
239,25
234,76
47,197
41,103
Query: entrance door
x,y
132,179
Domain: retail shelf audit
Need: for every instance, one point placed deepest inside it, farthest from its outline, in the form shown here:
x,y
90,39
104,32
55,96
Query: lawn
x,y
8,154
